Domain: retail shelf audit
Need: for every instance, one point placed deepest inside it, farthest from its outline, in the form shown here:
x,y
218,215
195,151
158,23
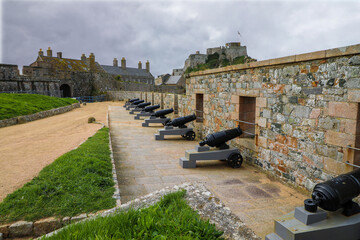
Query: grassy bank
x,y
77,182
13,105
171,218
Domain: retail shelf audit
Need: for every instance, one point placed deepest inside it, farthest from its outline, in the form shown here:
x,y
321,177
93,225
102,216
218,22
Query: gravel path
x,y
27,148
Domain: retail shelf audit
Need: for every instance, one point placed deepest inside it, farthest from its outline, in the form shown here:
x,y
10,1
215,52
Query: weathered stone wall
x,y
306,110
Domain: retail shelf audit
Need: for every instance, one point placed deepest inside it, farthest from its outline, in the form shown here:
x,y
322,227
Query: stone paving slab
x,y
145,165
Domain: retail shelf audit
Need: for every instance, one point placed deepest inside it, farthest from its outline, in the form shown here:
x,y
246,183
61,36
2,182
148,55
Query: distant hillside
x,y
217,61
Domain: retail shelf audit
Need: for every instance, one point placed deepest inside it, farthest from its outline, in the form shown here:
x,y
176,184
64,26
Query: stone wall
x,y
306,111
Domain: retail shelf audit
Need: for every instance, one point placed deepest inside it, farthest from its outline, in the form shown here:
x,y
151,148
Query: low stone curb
x,y
37,116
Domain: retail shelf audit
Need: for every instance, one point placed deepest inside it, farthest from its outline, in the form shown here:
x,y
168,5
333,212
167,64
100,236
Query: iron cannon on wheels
x,y
140,107
130,101
147,111
158,117
330,213
221,150
177,127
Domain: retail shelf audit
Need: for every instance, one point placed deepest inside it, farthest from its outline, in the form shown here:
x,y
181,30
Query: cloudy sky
x,y
166,32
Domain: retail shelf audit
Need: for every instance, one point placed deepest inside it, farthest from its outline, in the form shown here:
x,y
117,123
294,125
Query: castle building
x,y
128,74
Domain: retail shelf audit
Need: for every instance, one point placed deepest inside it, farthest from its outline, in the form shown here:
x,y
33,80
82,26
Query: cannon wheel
x,y
190,135
235,160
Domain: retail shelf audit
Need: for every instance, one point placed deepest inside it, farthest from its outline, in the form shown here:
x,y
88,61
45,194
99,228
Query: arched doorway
x,y
65,90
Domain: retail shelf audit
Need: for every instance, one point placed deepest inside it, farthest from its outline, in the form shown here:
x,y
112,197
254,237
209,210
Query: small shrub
x,y
91,120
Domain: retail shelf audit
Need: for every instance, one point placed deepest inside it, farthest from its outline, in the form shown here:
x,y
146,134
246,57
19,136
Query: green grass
x,y
13,105
170,218
77,182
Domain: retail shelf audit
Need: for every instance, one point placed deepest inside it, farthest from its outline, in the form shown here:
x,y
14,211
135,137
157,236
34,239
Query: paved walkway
x,y
145,165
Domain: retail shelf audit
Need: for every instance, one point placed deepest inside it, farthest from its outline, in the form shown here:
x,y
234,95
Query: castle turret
x,y
41,53
49,52
59,55
140,65
83,57
123,63
92,61
115,62
147,66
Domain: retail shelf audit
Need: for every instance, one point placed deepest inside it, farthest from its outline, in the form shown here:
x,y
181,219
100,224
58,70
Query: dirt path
x,y
25,149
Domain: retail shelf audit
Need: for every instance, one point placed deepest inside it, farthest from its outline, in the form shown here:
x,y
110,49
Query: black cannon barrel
x,y
335,193
162,113
181,121
138,102
133,100
219,138
151,108
143,105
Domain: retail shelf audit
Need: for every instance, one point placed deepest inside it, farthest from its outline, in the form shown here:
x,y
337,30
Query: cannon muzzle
x,y
336,193
181,121
137,102
151,108
143,105
219,139
162,113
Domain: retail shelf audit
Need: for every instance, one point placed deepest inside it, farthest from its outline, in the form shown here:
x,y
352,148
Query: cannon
x,y
134,104
130,101
177,127
330,213
140,107
222,151
158,117
147,111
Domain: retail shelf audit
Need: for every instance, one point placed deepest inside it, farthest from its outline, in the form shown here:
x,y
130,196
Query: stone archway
x,y
65,90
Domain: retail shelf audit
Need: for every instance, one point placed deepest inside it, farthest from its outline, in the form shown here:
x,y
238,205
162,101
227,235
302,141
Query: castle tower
x,y
83,57
92,61
115,62
147,66
123,63
59,55
41,53
49,52
140,65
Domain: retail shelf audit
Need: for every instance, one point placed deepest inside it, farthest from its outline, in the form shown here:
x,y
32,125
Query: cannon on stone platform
x,y
222,151
134,104
140,107
331,212
158,117
177,127
147,111
130,101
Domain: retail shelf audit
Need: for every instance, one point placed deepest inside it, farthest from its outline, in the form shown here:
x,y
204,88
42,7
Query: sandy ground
x,y
27,148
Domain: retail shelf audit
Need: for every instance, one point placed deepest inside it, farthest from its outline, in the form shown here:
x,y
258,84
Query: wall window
x,y
247,107
199,107
357,139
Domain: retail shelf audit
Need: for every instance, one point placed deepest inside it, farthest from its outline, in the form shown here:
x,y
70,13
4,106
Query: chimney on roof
x,y
92,61
41,53
147,66
123,63
49,52
83,57
59,55
139,65
197,52
115,62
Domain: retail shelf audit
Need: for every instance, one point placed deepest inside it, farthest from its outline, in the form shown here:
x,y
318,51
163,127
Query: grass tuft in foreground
x,y
77,182
170,218
14,105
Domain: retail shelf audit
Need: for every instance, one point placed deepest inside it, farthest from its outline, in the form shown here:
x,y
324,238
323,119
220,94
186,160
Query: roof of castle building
x,y
127,72
173,80
67,64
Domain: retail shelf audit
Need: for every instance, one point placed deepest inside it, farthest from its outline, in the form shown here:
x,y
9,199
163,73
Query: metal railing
x,y
199,116
347,162
250,123
90,99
